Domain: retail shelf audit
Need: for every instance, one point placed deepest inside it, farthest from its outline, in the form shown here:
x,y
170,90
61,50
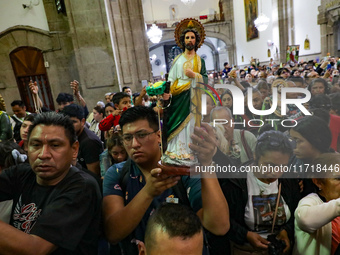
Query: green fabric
x,y
178,111
180,104
204,71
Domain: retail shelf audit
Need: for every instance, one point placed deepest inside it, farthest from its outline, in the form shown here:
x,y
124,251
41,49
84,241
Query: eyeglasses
x,y
141,137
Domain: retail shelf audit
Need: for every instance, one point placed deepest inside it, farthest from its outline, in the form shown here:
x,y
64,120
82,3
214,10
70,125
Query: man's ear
x,y
159,136
116,106
317,183
75,148
83,121
141,248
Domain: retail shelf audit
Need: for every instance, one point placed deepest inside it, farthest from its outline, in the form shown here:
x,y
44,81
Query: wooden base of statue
x,y
175,169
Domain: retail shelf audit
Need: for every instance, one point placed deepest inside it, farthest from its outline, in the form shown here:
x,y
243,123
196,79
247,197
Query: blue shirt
x,y
136,182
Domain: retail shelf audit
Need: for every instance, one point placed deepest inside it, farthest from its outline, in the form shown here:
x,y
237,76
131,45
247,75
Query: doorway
x,y
28,64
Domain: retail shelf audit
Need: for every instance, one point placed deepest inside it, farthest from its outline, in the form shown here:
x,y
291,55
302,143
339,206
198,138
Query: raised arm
x,y
139,99
35,91
215,212
75,87
310,216
121,220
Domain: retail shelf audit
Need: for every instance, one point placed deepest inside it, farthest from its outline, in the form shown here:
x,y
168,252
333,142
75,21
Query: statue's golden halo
x,y
189,23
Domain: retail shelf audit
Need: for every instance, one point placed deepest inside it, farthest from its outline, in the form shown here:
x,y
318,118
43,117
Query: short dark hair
x,y
280,70
272,141
18,102
175,219
134,96
30,117
109,104
99,109
55,119
73,111
139,113
124,88
182,38
119,96
296,79
64,98
225,63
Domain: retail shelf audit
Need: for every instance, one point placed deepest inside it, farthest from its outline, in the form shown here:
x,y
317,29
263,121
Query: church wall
x,y
162,12
305,22
13,14
256,48
76,46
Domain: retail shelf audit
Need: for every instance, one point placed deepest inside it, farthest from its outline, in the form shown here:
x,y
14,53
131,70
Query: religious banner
x,y
251,12
293,53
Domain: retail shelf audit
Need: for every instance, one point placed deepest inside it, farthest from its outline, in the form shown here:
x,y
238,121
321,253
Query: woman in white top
x,y
317,222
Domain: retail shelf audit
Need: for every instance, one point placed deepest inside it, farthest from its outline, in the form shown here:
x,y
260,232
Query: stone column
x,y
335,42
129,42
322,21
291,22
283,28
228,9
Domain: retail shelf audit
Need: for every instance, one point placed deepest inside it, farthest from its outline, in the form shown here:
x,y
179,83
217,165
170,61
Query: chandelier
x,y
188,2
155,34
262,22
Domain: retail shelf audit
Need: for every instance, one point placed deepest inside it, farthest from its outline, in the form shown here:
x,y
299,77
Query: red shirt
x,y
108,122
335,234
334,126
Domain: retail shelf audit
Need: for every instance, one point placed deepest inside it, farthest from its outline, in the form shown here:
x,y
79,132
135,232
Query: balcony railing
x,y
204,19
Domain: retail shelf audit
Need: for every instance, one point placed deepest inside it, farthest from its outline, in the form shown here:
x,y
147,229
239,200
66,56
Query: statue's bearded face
x,y
190,40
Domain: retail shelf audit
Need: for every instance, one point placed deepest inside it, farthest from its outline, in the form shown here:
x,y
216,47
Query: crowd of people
x,y
75,181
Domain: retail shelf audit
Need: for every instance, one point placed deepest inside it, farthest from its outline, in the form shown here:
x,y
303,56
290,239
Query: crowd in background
x,y
303,210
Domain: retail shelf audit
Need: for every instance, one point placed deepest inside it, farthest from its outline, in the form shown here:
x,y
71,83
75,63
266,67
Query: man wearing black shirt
x,y
56,207
90,146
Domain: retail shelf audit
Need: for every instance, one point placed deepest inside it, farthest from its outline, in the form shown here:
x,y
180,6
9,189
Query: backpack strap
x,y
124,175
